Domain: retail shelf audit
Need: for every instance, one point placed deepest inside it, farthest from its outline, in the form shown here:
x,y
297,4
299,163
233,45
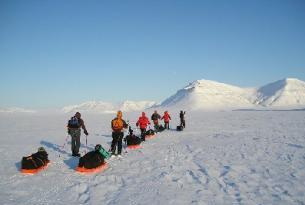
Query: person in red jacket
x,y
166,117
143,122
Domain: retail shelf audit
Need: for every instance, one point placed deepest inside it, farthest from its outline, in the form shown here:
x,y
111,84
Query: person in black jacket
x,y
182,119
74,129
155,118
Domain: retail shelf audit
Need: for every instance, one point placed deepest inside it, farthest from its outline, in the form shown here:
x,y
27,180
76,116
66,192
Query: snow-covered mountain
x,y
90,106
106,107
128,106
288,92
206,94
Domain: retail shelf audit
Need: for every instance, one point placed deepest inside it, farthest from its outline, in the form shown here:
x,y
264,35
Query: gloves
x,y
69,132
86,133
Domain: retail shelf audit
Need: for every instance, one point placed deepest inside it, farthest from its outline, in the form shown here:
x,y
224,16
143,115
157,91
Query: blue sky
x,y
56,53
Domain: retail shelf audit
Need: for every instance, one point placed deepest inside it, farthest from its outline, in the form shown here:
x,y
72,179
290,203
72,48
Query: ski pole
x,y
63,146
86,144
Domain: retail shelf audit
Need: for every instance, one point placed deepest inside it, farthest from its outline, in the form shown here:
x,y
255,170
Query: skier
x,y
117,125
74,130
166,117
143,122
155,118
182,119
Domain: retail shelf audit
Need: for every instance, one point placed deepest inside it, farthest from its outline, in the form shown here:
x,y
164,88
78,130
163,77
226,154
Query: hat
x,y
77,114
41,149
98,147
119,114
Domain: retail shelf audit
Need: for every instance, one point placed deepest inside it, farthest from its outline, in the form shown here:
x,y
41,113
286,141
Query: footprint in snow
x,y
296,146
83,192
225,171
221,136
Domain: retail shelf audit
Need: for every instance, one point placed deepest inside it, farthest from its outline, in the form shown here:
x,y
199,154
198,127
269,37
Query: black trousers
x,y
143,133
166,125
182,123
117,138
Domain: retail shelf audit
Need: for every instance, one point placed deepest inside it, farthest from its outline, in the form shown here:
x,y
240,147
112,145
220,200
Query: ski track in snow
x,y
220,158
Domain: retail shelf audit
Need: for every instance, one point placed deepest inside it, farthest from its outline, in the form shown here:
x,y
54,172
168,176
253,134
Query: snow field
x,y
220,158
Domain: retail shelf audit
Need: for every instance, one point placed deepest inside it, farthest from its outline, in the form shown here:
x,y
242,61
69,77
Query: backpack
x,y
35,161
161,128
73,123
91,160
155,116
132,140
180,128
104,153
150,132
117,124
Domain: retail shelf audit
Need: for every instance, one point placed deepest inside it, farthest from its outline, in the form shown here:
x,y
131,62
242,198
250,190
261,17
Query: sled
x,y
84,170
137,146
34,171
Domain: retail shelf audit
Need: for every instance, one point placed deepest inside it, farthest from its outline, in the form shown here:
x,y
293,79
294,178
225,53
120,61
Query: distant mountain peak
x,y
285,92
293,80
207,94
106,107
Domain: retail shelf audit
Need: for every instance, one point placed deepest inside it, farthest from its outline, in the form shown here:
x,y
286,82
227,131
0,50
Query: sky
x,y
61,52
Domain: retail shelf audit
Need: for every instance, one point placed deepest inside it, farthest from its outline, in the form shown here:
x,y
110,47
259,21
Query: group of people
x,y
95,159
76,123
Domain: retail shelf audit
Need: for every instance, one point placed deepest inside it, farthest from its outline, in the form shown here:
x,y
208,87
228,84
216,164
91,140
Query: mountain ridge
x,y
207,94
287,93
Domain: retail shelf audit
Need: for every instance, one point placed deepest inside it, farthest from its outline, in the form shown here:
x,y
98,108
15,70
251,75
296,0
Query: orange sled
x,y
84,170
134,146
149,136
34,171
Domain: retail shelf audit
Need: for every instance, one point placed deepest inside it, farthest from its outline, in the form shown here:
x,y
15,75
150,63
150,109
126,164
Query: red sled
x,y
34,171
84,170
149,136
134,146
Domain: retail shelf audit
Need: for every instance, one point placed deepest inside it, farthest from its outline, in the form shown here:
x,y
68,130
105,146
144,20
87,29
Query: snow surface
x,y
211,95
236,157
